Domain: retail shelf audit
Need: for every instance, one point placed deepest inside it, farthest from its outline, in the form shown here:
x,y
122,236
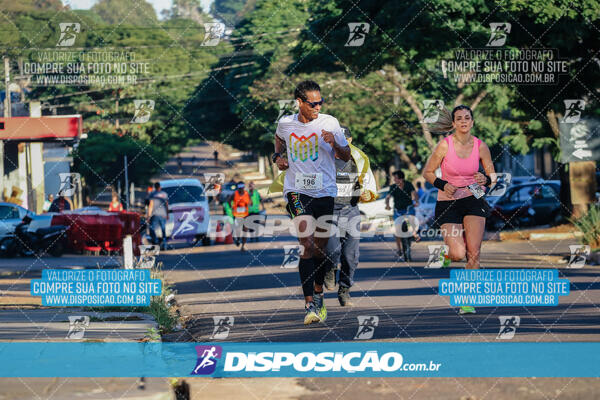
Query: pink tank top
x,y
459,171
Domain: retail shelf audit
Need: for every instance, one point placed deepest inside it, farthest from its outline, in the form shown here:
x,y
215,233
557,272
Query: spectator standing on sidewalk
x,y
405,200
158,211
115,204
60,204
48,203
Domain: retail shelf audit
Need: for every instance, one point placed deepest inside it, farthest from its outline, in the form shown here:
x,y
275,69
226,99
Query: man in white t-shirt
x,y
311,141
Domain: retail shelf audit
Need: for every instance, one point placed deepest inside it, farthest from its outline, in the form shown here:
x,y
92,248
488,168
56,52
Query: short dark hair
x,y
157,185
462,107
305,86
398,174
346,130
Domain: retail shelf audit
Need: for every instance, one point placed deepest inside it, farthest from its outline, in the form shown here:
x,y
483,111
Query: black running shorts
x,y
453,211
302,204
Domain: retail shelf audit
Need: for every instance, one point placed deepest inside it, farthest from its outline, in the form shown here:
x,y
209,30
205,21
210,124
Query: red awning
x,y
47,128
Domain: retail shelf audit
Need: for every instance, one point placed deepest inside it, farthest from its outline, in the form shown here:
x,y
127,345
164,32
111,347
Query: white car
x,y
189,216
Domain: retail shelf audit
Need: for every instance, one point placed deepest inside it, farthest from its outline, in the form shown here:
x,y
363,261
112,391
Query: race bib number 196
x,y
309,181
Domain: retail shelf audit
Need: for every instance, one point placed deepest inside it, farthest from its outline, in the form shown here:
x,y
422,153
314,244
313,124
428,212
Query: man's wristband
x,y
439,183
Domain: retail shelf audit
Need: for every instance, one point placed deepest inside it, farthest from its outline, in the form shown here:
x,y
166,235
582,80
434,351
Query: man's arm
x,y
343,153
280,147
387,200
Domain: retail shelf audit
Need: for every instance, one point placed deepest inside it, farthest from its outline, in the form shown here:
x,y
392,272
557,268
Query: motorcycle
x,y
51,240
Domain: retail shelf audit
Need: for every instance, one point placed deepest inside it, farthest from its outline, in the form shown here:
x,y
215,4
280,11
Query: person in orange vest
x,y
240,204
115,204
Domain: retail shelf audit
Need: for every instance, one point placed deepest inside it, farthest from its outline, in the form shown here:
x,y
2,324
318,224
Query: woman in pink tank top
x,y
461,210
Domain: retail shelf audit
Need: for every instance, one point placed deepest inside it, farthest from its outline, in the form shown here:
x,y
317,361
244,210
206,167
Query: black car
x,y
528,204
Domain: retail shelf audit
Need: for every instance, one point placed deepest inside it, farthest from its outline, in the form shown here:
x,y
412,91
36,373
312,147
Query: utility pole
x,y
6,115
7,106
126,184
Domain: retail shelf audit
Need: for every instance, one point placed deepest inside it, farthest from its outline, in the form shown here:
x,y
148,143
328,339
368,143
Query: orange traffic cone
x,y
229,237
219,238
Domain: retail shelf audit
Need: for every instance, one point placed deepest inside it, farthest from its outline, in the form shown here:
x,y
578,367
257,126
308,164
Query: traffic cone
x,y
229,237
219,238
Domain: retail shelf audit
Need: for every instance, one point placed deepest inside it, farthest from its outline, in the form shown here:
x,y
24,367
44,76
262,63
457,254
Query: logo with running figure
x,y
358,33
573,110
499,34
303,148
286,107
366,326
579,254
207,359
68,33
503,180
77,326
508,326
143,110
69,182
223,325
292,254
437,255
431,110
188,221
214,31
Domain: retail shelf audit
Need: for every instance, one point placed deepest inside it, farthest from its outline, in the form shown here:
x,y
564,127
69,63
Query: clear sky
x,y
159,5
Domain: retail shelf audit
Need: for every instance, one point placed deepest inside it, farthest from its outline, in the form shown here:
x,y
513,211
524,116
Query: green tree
x,y
100,160
408,41
231,12
238,104
130,12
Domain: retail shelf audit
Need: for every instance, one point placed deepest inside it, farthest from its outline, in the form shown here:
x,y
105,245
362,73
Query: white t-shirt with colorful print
x,y
311,160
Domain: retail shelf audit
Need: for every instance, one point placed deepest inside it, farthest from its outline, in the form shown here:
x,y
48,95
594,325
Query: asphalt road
x,y
266,304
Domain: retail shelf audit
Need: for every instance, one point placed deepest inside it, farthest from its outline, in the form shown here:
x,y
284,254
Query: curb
x,y
555,236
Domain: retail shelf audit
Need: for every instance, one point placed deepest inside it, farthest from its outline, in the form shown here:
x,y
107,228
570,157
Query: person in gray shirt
x,y
344,246
158,211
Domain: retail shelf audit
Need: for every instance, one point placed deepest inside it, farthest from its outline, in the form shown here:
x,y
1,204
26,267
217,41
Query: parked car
x,y
189,215
527,204
518,180
10,216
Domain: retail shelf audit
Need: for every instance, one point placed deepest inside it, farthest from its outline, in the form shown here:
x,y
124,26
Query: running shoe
x,y
319,301
311,314
344,296
444,259
466,310
330,279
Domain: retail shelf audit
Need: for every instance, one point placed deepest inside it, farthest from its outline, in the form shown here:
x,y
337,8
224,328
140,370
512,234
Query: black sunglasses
x,y
315,103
